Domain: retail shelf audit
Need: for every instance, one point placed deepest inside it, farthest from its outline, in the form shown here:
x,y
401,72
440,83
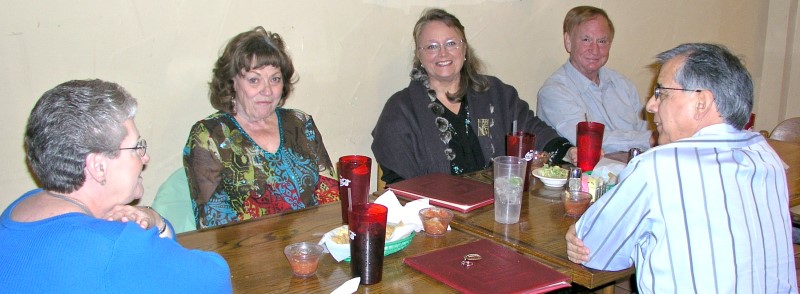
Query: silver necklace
x,y
74,201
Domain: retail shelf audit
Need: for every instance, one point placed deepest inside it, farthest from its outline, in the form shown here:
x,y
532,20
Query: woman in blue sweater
x,y
77,233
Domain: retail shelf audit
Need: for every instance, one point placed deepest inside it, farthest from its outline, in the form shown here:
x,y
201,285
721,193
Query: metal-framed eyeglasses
x,y
449,45
657,90
141,148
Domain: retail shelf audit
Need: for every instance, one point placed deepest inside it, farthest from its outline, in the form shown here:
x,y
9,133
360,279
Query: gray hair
x,y
714,68
71,121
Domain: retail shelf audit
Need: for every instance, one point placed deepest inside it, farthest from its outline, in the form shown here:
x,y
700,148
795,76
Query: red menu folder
x,y
500,270
446,190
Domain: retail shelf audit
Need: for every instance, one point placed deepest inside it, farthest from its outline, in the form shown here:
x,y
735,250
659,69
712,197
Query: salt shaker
x,y
633,152
574,179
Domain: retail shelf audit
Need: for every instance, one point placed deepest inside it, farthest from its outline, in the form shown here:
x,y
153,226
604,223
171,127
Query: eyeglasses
x,y
141,148
657,90
448,45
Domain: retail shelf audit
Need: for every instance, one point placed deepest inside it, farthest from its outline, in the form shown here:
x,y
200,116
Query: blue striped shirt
x,y
706,214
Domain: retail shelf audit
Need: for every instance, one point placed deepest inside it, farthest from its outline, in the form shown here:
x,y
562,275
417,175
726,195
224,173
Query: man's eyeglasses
x,y
141,148
657,90
448,45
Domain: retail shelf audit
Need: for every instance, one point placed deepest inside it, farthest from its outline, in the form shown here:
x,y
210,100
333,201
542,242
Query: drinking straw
x,y
586,116
514,127
349,200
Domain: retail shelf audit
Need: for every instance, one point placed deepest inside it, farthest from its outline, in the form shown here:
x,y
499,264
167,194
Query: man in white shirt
x,y
707,210
584,87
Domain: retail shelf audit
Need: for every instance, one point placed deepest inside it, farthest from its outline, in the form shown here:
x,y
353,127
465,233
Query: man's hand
x,y
576,252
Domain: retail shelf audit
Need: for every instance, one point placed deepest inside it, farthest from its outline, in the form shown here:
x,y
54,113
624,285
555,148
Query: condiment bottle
x,y
633,152
574,179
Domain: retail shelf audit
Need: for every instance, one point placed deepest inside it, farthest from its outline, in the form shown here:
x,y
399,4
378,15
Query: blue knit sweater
x,y
76,253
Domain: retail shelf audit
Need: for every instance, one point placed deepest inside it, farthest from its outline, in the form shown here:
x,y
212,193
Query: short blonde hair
x,y
581,14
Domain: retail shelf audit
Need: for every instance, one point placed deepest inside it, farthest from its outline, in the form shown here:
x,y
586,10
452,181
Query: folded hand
x,y
576,252
143,216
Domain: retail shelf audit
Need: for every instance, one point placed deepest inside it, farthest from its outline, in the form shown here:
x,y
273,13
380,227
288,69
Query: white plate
x,y
549,182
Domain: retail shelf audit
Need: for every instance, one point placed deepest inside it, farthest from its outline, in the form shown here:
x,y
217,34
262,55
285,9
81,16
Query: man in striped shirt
x,y
707,210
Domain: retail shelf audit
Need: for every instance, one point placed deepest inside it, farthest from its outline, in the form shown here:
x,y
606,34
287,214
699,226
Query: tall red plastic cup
x,y
354,173
520,144
750,122
367,239
590,143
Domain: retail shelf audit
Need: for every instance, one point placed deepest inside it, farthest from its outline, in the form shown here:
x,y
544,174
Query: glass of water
x,y
509,178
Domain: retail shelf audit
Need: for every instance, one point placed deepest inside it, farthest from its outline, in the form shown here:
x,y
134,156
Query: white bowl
x,y
549,182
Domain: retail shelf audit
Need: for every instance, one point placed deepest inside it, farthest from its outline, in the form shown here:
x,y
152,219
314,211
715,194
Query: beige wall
x,y
350,56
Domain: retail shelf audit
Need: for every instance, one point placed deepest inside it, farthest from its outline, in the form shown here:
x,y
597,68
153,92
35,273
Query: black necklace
x,y
74,201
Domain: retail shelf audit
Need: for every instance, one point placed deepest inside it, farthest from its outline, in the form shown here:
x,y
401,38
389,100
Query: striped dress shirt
x,y
706,214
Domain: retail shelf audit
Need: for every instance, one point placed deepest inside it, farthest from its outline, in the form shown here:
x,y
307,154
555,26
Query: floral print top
x,y
231,178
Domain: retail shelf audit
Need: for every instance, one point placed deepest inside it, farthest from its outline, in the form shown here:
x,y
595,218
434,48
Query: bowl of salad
x,y
551,176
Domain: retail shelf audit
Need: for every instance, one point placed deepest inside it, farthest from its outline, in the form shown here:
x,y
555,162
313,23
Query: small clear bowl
x,y
576,203
435,220
303,257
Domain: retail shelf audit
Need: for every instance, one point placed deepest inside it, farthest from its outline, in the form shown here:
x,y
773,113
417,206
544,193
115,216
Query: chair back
x,y
174,203
788,131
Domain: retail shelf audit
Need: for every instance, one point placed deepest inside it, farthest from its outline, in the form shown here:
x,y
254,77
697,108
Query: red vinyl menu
x,y
446,190
500,270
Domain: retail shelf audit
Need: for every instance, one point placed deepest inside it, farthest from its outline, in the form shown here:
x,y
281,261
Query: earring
x,y
103,182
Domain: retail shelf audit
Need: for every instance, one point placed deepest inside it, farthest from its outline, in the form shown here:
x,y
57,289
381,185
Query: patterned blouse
x,y
232,179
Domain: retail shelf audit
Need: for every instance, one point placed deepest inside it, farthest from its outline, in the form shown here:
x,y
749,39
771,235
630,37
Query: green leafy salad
x,y
553,172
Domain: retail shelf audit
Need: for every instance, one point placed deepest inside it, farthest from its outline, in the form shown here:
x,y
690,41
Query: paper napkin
x,y
351,286
408,214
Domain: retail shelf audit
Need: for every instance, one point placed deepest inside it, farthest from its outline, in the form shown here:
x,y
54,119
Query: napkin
x,y
338,251
351,286
408,214
606,166
397,213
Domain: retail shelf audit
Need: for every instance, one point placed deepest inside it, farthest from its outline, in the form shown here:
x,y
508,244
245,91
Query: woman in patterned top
x,y
253,157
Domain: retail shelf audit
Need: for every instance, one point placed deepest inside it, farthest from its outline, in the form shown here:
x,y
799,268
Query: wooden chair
x,y
788,130
381,183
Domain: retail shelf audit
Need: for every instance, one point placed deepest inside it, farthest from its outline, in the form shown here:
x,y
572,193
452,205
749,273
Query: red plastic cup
x,y
590,143
354,173
520,144
749,125
367,238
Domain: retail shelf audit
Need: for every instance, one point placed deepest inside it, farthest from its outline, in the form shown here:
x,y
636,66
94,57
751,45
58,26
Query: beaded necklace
x,y
74,201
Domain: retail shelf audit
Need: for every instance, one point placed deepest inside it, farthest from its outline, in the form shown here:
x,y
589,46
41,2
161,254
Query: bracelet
x,y
163,229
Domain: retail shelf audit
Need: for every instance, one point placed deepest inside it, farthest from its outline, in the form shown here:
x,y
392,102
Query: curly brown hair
x,y
247,51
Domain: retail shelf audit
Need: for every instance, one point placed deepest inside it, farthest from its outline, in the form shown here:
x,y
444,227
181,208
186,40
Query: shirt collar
x,y
582,81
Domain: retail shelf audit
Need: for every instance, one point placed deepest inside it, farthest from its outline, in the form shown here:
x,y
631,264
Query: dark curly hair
x,y
247,51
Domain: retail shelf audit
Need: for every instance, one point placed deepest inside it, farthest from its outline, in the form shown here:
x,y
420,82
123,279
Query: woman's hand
x,y
576,252
572,155
143,216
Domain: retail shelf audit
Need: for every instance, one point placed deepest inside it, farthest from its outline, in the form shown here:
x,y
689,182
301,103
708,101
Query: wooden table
x,y
254,249
254,252
539,233
790,153
542,225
